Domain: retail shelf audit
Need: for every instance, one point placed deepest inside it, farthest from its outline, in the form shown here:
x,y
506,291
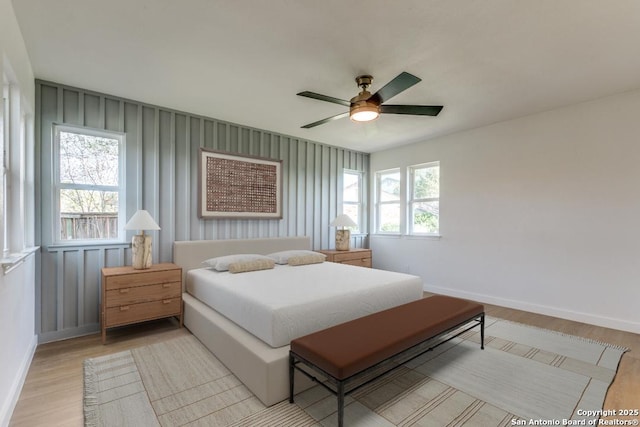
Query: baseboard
x,y
45,337
14,394
606,322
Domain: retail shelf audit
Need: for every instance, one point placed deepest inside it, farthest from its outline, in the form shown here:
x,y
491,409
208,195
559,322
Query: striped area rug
x,y
524,373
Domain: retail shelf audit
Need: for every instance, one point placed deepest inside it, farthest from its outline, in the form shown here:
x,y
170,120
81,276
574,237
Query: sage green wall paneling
x,y
113,115
47,296
196,137
71,113
161,169
69,289
182,177
91,259
166,193
93,111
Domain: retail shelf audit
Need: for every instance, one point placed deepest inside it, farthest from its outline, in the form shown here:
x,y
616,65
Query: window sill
x,y
387,235
424,236
408,236
93,245
12,261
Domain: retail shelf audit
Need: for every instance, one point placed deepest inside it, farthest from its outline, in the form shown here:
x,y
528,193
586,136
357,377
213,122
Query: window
x,y
352,197
89,185
388,201
16,172
424,199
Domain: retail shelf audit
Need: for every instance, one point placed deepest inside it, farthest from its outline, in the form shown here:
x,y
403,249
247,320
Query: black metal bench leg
x,y
291,373
482,331
340,396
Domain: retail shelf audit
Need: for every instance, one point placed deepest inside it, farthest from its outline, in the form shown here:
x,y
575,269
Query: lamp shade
x,y
343,221
364,111
141,220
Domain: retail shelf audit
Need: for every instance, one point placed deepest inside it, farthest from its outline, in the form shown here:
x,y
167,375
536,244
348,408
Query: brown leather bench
x,y
355,353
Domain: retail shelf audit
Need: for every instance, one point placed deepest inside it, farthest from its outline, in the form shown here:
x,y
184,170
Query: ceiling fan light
x,y
364,112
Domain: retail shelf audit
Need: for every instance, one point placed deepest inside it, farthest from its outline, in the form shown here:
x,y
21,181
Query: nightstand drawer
x,y
357,256
138,294
351,256
360,262
144,311
141,279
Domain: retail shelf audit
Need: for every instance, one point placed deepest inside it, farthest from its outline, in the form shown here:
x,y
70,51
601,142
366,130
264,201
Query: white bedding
x,y
287,302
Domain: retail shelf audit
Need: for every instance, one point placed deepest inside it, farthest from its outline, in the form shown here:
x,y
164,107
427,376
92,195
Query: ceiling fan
x,y
365,107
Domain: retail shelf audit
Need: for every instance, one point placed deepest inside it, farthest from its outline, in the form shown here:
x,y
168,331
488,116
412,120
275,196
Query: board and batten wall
x,y
161,151
538,213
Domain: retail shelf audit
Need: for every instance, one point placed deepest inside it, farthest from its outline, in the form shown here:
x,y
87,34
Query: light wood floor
x,y
52,394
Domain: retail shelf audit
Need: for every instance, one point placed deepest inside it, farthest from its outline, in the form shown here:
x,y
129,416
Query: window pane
x,y
389,186
88,214
389,220
426,183
354,213
426,217
87,159
351,190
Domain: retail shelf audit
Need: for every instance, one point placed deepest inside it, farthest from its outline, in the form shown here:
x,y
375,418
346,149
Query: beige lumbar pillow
x,y
307,259
255,265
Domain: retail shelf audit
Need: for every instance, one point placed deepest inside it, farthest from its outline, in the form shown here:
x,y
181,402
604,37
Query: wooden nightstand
x,y
355,256
132,296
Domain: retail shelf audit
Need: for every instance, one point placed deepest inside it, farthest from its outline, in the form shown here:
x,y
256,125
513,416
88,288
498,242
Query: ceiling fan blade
x,y
417,110
323,121
402,82
324,98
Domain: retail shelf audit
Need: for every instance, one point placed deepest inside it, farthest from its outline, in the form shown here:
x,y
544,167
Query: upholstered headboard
x,y
190,254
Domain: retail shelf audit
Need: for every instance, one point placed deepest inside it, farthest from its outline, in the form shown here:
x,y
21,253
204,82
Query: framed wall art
x,y
236,186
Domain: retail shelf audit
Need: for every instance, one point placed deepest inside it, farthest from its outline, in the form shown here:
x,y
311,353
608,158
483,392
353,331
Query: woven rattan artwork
x,y
235,187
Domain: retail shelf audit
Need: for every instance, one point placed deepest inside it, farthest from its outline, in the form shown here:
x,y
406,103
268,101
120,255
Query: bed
x,y
254,346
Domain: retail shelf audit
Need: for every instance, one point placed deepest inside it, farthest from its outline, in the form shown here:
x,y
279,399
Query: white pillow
x,y
283,256
222,263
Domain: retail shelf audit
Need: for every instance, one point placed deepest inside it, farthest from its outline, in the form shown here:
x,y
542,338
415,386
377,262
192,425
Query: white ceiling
x,y
244,61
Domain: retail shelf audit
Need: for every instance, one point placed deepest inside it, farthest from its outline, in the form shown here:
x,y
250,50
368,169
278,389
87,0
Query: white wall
x,y
17,300
18,337
540,213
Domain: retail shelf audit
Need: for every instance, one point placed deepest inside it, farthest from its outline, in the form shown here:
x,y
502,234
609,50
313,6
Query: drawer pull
x,y
124,291
166,301
124,307
166,285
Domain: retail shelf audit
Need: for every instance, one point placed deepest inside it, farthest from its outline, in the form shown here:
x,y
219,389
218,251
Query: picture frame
x,y
232,185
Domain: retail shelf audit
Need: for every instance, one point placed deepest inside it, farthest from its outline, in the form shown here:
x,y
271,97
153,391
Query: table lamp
x,y
343,236
141,243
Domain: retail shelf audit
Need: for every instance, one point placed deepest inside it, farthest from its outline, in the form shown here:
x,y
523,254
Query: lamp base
x,y
343,238
141,251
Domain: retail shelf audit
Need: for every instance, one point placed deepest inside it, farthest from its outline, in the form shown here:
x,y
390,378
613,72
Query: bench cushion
x,y
348,348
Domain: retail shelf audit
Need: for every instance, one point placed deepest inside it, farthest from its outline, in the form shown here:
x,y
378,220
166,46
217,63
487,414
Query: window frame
x,y
359,203
58,186
379,202
6,125
411,200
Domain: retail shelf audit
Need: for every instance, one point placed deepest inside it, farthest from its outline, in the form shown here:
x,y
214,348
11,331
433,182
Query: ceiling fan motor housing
x,y
364,81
